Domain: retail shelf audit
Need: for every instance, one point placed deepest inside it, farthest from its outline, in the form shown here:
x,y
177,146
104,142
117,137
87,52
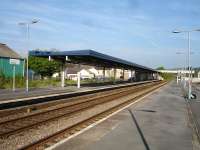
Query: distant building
x,y
85,71
176,71
90,72
7,58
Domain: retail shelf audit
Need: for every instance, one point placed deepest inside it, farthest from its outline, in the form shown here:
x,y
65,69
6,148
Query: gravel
x,y
21,139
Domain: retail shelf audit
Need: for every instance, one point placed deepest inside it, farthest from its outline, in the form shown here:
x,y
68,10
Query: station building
x,y
92,72
9,58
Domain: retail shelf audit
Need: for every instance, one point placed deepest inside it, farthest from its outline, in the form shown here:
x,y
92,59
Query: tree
x,y
43,66
160,68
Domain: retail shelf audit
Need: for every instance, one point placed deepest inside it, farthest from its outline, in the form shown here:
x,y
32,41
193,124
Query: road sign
x,y
14,61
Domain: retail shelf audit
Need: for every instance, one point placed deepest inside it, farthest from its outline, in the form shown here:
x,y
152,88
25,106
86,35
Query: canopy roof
x,y
91,57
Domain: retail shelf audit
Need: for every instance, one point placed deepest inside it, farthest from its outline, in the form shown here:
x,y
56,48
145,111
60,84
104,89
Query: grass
x,y
6,83
44,83
167,76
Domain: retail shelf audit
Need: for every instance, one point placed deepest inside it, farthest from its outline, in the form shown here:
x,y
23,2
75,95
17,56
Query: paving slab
x,y
162,121
194,108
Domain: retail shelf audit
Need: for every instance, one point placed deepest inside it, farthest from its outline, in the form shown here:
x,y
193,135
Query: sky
x,y
139,31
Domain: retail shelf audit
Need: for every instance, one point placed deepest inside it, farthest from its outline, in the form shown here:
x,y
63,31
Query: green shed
x,y
8,58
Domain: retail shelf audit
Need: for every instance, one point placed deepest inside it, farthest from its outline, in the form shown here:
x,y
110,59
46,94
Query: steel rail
x,y
37,106
54,138
36,118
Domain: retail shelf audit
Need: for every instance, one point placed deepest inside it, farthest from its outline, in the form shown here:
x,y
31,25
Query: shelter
x,y
91,57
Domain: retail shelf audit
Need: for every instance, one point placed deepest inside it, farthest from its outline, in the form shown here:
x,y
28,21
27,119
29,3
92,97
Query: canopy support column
x,y
63,76
123,73
79,78
104,73
131,75
114,75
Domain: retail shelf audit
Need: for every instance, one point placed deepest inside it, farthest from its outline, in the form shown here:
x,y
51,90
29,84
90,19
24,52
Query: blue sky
x,y
135,30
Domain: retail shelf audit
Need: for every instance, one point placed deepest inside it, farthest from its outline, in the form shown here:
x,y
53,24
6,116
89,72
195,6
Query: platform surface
x,y
162,118
7,96
194,105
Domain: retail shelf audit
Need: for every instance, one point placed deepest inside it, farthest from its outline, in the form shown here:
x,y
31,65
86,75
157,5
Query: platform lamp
x,y
27,25
189,53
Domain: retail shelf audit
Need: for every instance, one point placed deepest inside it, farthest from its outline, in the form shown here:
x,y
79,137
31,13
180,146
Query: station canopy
x,y
90,57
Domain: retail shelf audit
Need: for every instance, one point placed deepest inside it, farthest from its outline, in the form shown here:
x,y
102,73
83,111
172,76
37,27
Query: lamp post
x,y
189,53
27,24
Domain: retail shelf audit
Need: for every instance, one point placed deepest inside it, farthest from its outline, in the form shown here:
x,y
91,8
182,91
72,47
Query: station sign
x,y
14,61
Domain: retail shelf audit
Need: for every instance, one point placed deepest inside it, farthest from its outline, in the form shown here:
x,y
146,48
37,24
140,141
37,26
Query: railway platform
x,y
193,107
157,122
9,99
8,94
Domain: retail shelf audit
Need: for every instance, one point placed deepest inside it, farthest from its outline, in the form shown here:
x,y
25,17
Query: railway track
x,y
68,110
29,121
57,101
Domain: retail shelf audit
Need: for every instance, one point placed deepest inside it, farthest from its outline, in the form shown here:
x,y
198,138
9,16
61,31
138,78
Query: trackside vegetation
x,y
43,66
167,76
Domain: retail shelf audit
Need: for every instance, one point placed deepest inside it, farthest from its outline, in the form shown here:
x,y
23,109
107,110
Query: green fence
x,y
7,69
